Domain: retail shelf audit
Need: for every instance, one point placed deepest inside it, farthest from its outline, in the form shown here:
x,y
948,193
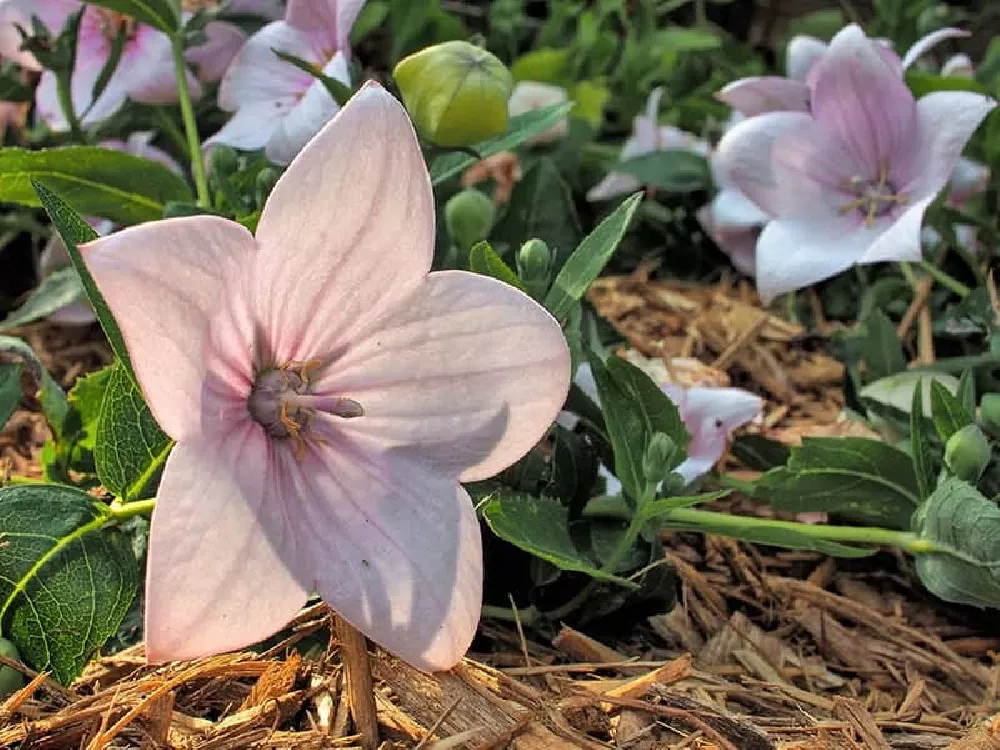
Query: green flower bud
x,y
456,93
967,452
658,458
989,412
10,679
264,184
224,161
469,217
534,261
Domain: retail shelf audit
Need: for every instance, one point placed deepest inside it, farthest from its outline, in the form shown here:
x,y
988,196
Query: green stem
x,y
528,617
691,518
119,511
65,94
187,115
944,279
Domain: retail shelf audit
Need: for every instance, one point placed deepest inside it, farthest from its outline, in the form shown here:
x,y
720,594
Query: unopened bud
x,y
469,217
10,679
265,183
989,412
659,457
456,93
967,453
534,261
224,161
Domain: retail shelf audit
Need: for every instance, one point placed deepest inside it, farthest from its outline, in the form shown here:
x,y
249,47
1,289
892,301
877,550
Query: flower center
x,y
112,23
282,402
875,198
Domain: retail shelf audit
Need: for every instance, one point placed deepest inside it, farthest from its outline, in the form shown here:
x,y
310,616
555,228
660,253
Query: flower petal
x,y
52,13
308,117
216,579
901,240
270,9
252,125
613,185
945,122
212,58
743,157
258,76
795,254
348,230
335,16
179,269
146,69
761,94
802,53
925,43
394,548
466,374
959,65
862,102
733,210
711,415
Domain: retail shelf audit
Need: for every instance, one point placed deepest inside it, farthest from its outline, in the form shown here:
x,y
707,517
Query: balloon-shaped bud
x,y
659,457
534,267
10,679
224,161
967,453
469,217
264,183
456,93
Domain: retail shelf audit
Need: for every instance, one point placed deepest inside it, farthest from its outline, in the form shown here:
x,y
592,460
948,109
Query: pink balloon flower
x,y
327,394
848,182
277,106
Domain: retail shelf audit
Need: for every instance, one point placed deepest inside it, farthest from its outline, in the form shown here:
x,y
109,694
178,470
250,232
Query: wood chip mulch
x,y
765,649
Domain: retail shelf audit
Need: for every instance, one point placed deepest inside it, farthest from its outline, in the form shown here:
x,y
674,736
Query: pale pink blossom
x,y
648,136
54,255
529,96
848,182
327,393
710,415
277,106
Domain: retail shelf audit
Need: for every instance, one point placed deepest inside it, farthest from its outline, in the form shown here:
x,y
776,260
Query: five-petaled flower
x,y
848,181
327,394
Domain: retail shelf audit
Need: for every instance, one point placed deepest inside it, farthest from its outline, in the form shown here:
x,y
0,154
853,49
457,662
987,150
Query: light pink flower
x,y
327,394
529,96
710,415
849,182
54,255
762,94
647,136
277,106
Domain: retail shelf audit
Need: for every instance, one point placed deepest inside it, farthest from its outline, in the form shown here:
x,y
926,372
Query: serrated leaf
x,y
920,448
947,411
74,231
540,526
881,349
57,290
98,181
672,170
10,390
131,448
520,129
635,408
65,582
50,395
160,14
484,260
541,206
865,480
589,259
964,528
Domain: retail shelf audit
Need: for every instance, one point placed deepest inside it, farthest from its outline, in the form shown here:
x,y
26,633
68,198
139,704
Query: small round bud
x,y
224,161
967,453
456,93
10,679
265,183
989,412
659,457
534,261
469,217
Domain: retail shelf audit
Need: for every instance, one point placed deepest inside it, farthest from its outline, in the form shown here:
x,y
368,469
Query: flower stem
x,y
65,95
120,511
944,279
187,115
360,686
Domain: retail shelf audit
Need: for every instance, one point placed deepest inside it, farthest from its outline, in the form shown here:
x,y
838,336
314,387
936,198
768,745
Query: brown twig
x,y
360,687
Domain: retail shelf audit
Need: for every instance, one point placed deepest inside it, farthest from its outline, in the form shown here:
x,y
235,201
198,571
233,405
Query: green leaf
x,y
10,390
540,526
484,260
50,395
920,448
896,391
686,40
964,529
673,170
949,414
74,231
865,480
98,181
589,259
881,350
635,408
759,453
921,83
966,392
159,14
65,581
338,91
131,448
541,206
56,291
521,128
546,65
